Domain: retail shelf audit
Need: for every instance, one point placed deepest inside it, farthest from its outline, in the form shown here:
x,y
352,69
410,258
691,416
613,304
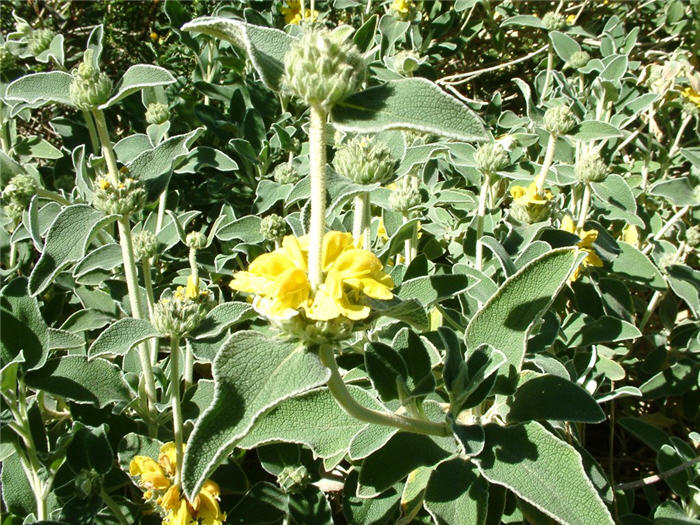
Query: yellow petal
x,y
334,243
207,506
324,307
192,290
517,192
142,464
588,237
249,283
170,501
375,288
295,251
293,288
567,224
355,262
352,311
168,457
181,517
630,234
592,259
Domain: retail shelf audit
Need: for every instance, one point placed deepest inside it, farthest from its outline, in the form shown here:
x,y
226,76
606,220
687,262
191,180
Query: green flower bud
x,y
125,198
530,213
579,59
591,168
89,87
293,478
285,174
690,108
157,113
553,21
415,138
196,240
7,59
692,237
20,189
40,40
145,245
178,314
14,210
406,195
311,332
364,161
273,228
490,158
322,68
666,260
406,62
559,120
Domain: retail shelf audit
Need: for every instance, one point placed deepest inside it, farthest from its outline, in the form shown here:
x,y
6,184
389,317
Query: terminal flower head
x,y
530,205
588,237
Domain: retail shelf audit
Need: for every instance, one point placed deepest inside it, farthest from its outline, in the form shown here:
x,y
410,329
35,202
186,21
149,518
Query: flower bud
x,y
406,195
40,40
196,240
125,198
553,21
692,237
20,189
559,120
579,59
285,174
322,68
490,158
273,228
364,161
181,312
157,113
591,168
293,478
89,87
406,62
145,245
14,210
691,109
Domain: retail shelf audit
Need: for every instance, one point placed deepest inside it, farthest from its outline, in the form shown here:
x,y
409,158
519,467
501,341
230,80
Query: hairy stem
x,y
177,411
361,220
340,392
317,168
481,212
547,163
585,202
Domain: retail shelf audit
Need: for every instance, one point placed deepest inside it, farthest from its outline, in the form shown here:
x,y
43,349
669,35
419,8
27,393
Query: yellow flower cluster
x,y
292,13
156,478
191,291
530,195
401,6
692,95
588,237
282,289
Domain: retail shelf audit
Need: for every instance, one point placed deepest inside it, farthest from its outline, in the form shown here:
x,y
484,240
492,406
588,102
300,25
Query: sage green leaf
x,y
39,89
85,320
128,148
246,229
310,506
370,439
90,449
263,504
632,264
678,192
138,77
205,157
563,45
581,330
132,445
105,257
314,419
222,317
410,312
432,289
615,69
122,336
17,494
154,167
367,511
66,241
62,340
252,374
617,200
269,193
23,327
504,321
594,130
672,381
265,46
376,477
411,103
501,254
544,471
54,51
471,437
554,398
412,496
523,20
685,283
96,382
456,493
36,147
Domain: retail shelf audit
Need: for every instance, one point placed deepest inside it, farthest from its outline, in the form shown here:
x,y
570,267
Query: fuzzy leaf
x,y
39,89
456,493
138,77
635,266
122,336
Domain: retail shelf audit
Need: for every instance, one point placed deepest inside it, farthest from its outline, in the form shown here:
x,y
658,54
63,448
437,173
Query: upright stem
x,y
548,74
481,212
361,220
113,507
94,140
547,163
676,217
585,202
317,168
175,400
127,247
674,148
148,285
13,255
339,391
188,373
161,210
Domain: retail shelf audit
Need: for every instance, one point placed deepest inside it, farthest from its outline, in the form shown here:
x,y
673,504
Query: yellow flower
x,y
157,477
587,237
292,13
630,234
191,291
279,280
154,36
104,184
530,195
570,19
692,95
401,6
381,230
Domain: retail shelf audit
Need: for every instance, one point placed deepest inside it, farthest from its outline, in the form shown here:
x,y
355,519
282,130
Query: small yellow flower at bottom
x,y
692,95
588,237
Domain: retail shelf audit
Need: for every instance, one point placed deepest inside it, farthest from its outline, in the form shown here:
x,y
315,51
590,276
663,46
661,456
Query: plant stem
x,y
161,210
317,168
340,392
188,373
674,148
90,124
113,507
175,400
148,285
361,219
481,212
13,255
679,214
546,164
127,247
548,74
585,202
